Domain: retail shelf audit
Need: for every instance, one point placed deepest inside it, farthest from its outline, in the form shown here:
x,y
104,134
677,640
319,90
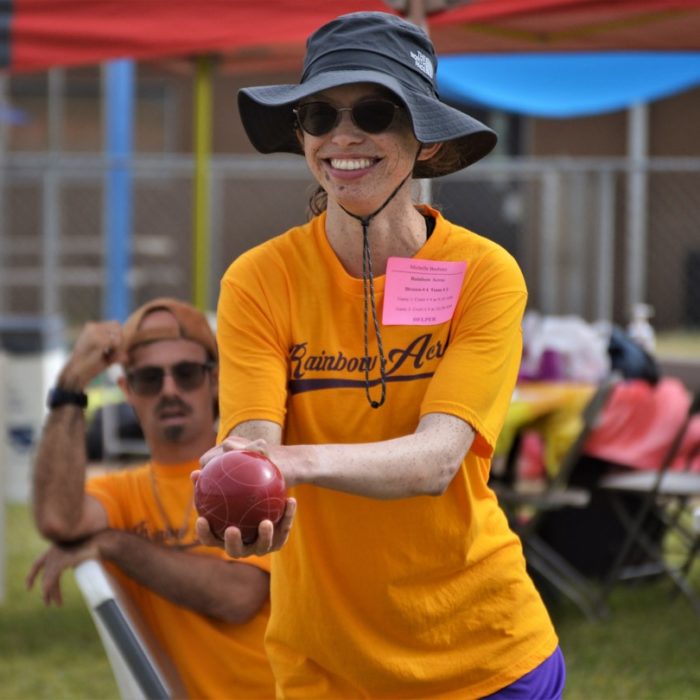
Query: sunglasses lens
x,y
189,375
317,118
146,381
373,116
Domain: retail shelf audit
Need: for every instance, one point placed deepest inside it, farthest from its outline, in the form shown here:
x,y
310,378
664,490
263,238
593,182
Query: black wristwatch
x,y
61,397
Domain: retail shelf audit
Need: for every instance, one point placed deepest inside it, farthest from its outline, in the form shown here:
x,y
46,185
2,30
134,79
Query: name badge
x,y
421,292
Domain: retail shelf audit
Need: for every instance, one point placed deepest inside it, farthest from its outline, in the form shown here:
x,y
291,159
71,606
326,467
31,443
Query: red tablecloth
x,y
639,423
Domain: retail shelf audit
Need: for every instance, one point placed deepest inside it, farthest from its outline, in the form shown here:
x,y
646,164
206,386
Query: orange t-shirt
x,y
414,597
214,659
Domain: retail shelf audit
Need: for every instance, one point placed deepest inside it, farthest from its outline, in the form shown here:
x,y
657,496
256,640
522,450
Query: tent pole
x,y
51,195
637,195
3,428
119,83
201,257
416,13
4,290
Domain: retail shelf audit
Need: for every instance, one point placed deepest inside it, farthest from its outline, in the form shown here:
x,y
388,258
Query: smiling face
x,y
359,170
177,423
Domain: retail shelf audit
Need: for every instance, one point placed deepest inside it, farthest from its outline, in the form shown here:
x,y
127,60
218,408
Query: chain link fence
x,y
593,236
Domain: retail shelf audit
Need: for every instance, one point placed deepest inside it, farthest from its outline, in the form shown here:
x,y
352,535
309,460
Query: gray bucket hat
x,y
369,47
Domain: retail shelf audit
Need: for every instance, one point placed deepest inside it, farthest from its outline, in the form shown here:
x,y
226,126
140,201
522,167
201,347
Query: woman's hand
x,y
270,537
234,443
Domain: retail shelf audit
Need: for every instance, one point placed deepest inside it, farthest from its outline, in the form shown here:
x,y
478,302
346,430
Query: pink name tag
x,y
421,292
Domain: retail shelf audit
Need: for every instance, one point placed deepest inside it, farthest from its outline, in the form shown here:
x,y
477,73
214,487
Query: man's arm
x,y
224,590
62,511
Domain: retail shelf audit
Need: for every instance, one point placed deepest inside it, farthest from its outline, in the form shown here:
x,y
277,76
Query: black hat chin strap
x,y
368,289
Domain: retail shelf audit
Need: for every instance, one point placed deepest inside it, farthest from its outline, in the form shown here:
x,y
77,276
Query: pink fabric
x,y
689,452
639,423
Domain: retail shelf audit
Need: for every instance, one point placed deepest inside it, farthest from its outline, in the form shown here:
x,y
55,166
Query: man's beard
x,y
173,433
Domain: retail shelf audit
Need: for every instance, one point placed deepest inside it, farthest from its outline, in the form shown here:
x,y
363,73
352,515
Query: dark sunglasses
x,y
372,116
148,381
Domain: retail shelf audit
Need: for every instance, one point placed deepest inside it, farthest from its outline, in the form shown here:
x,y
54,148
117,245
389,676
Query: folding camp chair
x,y
670,494
526,508
140,667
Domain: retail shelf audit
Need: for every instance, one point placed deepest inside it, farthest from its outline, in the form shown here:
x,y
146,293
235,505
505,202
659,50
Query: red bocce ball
x,y
240,488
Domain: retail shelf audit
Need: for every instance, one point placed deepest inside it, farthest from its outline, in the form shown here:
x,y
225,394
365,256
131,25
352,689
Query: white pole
x,y
549,243
606,246
3,468
637,197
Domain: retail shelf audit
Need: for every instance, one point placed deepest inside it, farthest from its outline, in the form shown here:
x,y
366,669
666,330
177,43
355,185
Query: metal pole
x,y
575,246
549,243
3,363
606,246
216,204
119,109
201,270
51,195
3,215
416,14
637,197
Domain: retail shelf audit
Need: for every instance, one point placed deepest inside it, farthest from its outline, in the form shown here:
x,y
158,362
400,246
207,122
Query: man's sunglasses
x,y
148,381
372,116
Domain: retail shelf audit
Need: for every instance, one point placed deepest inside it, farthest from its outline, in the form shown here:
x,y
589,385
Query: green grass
x,y
679,343
649,649
52,653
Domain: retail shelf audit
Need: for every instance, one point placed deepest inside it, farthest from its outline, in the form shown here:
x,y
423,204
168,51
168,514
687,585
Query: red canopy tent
x,y
40,34
265,34
568,25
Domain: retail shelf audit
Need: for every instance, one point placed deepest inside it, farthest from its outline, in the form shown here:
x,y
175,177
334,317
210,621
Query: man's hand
x,y
52,563
98,346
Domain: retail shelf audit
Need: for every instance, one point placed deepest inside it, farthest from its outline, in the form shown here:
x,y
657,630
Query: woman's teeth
x,y
350,164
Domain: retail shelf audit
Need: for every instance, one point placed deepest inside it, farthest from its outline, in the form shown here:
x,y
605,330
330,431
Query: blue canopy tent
x,y
565,85
573,84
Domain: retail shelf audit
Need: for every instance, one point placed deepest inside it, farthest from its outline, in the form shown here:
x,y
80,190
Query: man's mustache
x,y
170,403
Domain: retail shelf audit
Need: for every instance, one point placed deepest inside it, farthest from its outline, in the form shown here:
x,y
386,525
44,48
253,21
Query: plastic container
x,y
640,329
34,350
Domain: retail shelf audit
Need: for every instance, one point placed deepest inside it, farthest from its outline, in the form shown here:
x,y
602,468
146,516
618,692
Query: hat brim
x,y
268,118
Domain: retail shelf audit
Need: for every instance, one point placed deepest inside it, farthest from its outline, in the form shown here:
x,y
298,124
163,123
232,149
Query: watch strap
x,y
62,397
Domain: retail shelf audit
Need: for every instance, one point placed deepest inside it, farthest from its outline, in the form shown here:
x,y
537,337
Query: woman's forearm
x,y
422,463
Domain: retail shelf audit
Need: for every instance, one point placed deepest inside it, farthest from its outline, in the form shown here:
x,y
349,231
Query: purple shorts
x,y
546,682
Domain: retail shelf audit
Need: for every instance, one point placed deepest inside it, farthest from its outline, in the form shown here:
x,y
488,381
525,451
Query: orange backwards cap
x,y
192,325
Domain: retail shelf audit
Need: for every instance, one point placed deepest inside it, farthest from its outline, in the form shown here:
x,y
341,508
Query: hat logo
x,y
423,63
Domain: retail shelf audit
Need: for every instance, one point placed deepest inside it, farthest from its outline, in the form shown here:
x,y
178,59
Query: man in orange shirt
x,y
208,612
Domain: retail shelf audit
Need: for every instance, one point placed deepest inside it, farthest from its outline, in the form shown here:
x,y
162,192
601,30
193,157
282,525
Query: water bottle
x,y
639,328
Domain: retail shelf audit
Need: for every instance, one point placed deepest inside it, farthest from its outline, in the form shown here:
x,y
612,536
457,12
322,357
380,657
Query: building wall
x,y
671,134
253,210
